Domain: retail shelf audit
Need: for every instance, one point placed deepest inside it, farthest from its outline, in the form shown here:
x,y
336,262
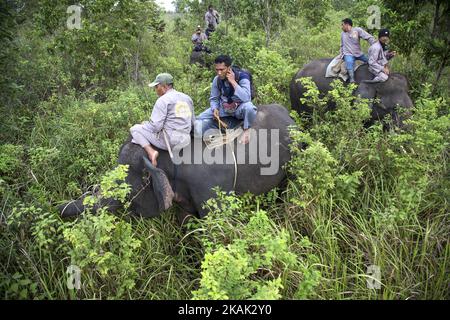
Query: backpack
x,y
238,75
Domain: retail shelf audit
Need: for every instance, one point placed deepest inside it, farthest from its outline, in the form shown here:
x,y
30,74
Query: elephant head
x,y
151,192
386,97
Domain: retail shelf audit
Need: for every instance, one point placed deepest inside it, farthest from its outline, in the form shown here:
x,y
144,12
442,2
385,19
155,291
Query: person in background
x,y
197,39
212,17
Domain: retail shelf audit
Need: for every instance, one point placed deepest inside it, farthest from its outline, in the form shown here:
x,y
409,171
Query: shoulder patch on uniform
x,y
182,110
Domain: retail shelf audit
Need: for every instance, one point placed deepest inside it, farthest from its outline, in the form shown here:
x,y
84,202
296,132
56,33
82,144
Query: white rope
x,y
227,139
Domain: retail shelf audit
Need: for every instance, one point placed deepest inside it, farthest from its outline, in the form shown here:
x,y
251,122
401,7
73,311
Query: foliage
x,y
240,49
381,184
271,73
412,22
303,42
19,287
315,11
247,256
10,161
102,246
355,197
113,186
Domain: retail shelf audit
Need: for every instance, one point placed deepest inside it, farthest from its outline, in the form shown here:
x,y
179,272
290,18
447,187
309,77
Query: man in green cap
x,y
171,120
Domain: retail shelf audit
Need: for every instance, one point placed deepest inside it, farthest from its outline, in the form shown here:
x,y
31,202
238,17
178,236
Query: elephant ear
x,y
161,186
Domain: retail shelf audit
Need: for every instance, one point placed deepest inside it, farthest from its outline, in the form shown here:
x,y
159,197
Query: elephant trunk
x,y
76,208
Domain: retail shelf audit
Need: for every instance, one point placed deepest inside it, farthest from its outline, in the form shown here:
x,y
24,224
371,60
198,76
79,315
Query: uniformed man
x,y
379,57
171,120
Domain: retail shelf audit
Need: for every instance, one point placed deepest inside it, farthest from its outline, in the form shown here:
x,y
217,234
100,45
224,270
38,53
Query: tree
x,y
314,10
423,26
99,55
268,14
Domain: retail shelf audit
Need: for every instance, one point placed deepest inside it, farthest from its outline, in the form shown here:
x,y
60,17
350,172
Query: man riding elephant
x,y
351,47
197,40
379,57
191,181
230,100
171,120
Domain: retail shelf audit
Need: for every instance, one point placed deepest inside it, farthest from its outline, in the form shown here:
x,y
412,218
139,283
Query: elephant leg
x,y
396,119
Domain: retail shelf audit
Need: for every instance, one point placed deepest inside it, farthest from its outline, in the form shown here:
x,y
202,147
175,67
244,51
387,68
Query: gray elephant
x,y
191,183
199,57
392,93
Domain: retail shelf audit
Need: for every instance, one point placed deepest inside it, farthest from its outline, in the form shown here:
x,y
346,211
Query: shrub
x,y
237,271
247,256
11,158
271,74
102,246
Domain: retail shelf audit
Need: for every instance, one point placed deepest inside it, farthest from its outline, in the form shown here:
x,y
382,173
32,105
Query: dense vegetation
x,y
356,197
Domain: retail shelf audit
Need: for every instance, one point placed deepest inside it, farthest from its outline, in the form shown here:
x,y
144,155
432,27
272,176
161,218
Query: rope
x,y
227,143
235,166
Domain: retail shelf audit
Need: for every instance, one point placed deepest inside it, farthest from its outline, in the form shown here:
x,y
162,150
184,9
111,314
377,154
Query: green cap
x,y
162,78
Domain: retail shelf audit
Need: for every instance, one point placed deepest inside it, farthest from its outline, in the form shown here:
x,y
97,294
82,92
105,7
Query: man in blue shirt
x,y
230,100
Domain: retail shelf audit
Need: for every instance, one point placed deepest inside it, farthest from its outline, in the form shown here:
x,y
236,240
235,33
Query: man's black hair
x,y
348,21
223,59
210,6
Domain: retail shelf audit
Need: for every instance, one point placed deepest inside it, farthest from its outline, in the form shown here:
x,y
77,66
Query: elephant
x,y
391,93
199,57
190,183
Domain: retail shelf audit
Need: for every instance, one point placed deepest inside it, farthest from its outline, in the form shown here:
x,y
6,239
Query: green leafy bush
x,y
19,287
240,48
237,271
271,74
11,158
104,247
247,256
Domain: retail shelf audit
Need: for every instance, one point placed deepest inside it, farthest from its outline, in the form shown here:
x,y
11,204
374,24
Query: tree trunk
x,y
136,61
435,18
439,73
268,23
